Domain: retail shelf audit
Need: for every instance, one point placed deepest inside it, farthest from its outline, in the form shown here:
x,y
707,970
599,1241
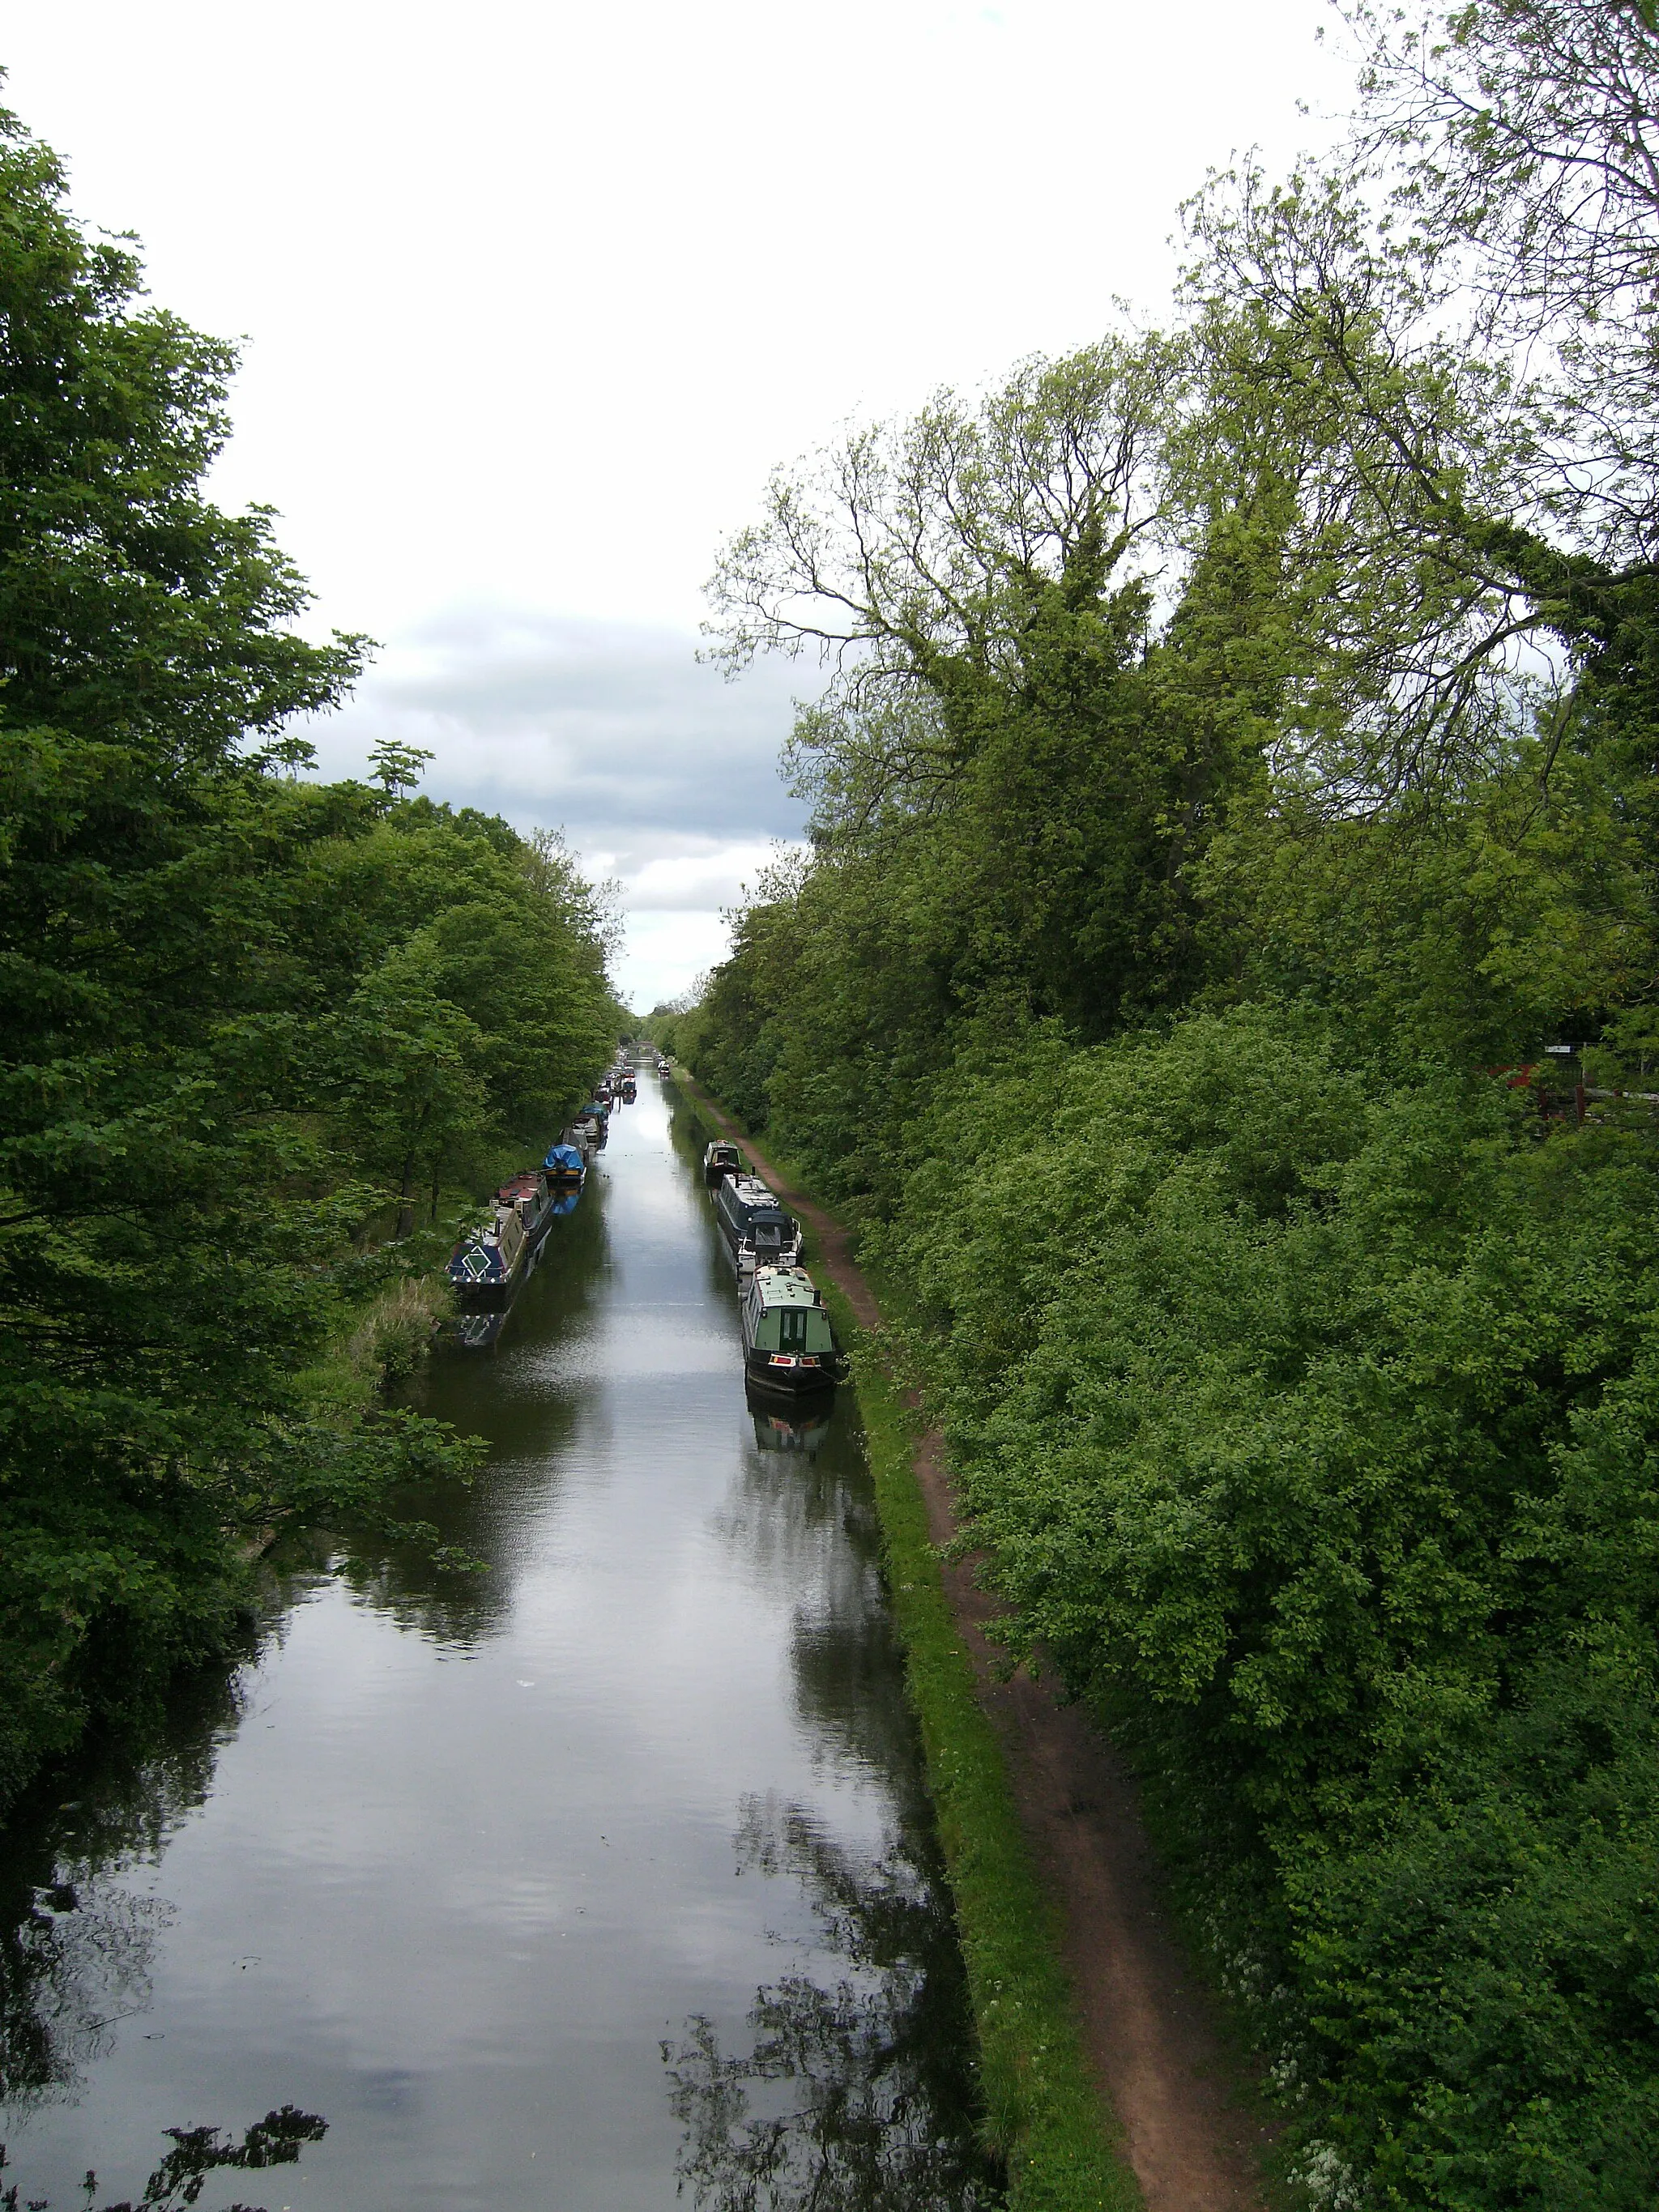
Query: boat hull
x,y
796,1381
487,1297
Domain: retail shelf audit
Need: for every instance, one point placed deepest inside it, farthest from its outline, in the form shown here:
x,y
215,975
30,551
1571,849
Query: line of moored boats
x,y
487,1267
788,1343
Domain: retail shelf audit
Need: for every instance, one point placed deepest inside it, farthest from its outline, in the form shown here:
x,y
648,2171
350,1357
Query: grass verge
x,y
1046,2117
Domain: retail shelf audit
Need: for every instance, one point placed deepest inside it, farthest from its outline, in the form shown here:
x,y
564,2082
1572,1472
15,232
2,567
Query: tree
x,y
184,1188
397,767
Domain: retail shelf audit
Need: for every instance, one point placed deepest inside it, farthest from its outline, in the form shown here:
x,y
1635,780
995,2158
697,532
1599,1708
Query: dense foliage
x,y
249,1020
1237,769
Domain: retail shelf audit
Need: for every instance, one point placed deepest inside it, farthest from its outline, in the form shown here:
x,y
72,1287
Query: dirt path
x,y
1148,2031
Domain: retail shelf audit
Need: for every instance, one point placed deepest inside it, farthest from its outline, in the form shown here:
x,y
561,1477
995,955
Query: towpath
x,y
1149,2029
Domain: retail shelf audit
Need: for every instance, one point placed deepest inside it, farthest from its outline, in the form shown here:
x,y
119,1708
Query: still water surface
x,y
601,1879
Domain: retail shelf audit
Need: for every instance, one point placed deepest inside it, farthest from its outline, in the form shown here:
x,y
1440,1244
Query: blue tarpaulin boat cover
x,y
563,1159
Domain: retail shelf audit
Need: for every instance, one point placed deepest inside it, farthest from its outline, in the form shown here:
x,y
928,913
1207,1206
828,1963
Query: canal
x,y
597,1882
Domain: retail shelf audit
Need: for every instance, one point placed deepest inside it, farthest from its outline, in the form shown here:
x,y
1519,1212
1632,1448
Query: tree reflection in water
x,y
76,1941
854,2096
75,1934
180,2179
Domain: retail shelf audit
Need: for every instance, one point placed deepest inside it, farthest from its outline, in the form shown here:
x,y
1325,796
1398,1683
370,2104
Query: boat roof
x,y
784,1286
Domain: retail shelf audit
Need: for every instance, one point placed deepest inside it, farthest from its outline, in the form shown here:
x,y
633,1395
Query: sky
x,y
533,297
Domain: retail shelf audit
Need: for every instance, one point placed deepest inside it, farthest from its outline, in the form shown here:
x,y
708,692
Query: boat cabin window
x,y
792,1328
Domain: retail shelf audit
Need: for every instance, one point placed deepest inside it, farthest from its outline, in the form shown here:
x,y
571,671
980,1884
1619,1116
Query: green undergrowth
x,y
385,1337
1045,2116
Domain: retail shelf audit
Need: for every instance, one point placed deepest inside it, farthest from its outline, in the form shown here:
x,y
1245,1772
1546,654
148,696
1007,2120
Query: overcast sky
x,y
534,296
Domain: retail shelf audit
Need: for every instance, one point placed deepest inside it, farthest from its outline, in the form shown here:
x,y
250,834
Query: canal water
x,y
601,1880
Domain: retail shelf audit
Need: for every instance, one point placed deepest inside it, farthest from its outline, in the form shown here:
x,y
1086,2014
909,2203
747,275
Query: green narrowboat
x,y
788,1346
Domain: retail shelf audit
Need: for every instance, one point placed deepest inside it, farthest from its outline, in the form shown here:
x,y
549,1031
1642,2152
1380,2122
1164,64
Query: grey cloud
x,y
616,732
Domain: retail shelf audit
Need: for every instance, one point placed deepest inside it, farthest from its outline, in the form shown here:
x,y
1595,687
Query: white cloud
x,y
692,883
661,773
666,953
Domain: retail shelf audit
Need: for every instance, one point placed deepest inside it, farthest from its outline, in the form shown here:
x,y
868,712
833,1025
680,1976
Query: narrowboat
x,y
757,1230
629,1089
486,1268
719,1159
787,1342
530,1195
597,1112
564,1166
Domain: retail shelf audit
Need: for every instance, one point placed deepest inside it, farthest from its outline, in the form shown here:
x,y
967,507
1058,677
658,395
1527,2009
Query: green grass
x,y
1046,2118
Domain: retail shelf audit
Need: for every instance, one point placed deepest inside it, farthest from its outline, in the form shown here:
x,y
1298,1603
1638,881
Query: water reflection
x,y
834,2105
455,1852
799,1429
180,2179
77,1932
528,1417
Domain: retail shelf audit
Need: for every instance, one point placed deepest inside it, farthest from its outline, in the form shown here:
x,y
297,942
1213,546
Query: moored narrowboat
x,y
564,1166
719,1159
487,1267
530,1194
757,1230
788,1344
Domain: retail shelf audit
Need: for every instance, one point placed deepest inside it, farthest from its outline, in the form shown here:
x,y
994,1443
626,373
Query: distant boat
x,y
564,1166
720,1159
788,1344
598,1111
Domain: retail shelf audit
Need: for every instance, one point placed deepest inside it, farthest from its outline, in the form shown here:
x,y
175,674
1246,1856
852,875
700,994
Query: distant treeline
x,y
1239,764
255,1028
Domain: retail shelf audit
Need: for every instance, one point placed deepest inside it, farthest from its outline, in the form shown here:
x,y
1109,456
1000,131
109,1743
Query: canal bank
x,y
604,1880
1103,2058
